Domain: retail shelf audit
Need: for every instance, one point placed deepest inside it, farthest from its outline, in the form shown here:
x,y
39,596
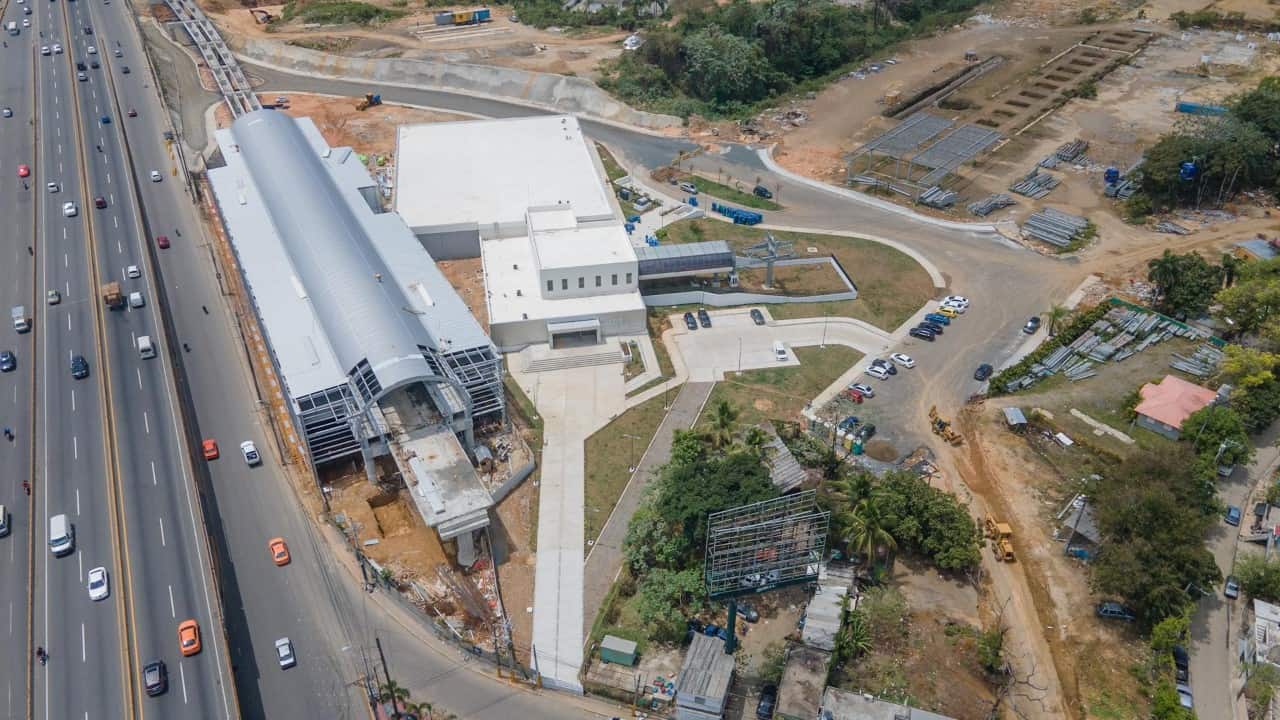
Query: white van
x,y
13,27
779,351
145,348
21,322
62,536
4,521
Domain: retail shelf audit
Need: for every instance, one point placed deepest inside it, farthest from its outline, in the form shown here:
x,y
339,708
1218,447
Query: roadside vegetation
x,y
339,12
725,60
781,392
733,195
1229,154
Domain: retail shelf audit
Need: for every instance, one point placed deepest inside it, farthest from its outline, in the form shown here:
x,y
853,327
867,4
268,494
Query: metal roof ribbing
x,y
709,247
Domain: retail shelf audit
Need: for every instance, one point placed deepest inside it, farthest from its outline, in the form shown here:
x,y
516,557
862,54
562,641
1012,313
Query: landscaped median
x,y
611,453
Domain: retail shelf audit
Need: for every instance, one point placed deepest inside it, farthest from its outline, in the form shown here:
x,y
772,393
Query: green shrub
x,y
344,12
1076,327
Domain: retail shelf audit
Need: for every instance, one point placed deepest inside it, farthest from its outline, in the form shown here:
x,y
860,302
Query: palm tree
x,y
394,693
754,439
1230,267
1164,271
723,422
1055,315
418,710
866,532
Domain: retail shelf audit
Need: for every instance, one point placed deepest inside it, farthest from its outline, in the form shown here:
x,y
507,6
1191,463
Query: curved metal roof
x,y
363,312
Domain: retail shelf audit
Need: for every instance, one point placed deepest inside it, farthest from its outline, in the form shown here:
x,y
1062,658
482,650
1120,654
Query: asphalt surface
x,y
17,280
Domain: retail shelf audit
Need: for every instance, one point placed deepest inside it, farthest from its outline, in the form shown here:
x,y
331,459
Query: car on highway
x,y
983,372
279,551
189,637
155,176
8,361
1111,610
757,317
1231,588
133,272
119,52
690,321
921,333
767,702
162,242
124,69
1233,515
762,192
250,452
53,297
704,318
69,209
876,372
99,587
902,360
88,30
155,678
92,50
79,367
689,188
133,113
886,365
8,112
136,300
24,170
106,119
210,449
863,388
57,49
1033,324
81,66
44,50
99,202
52,187
94,65
284,653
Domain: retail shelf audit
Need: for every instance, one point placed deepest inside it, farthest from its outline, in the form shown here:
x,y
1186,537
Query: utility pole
x,y
632,456
395,703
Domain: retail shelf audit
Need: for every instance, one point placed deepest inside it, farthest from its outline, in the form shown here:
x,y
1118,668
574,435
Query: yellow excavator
x,y
942,428
369,100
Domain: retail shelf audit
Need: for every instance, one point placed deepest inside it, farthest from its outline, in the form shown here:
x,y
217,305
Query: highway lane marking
x,y
64,237
153,472
80,561
73,401
172,610
84,655
182,673
75,447
108,177
139,371
164,544
68,322
77,502
11,612
146,423
116,220
119,247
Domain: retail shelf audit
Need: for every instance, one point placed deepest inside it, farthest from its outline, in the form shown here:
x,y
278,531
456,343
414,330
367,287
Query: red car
x,y
24,170
162,241
99,202
210,447
133,113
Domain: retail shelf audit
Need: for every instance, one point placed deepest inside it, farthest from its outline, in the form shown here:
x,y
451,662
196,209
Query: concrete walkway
x,y
605,559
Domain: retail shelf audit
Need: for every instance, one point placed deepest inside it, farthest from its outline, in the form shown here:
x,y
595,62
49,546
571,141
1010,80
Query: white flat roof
x,y
502,282
561,243
492,171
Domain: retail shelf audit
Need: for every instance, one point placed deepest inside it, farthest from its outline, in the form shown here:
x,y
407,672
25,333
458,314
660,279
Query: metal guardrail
x,y
232,83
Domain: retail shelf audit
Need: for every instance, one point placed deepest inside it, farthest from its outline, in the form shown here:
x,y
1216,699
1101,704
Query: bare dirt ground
x,y
516,517
404,542
500,42
467,277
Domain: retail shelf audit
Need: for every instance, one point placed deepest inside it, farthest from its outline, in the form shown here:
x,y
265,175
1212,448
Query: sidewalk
x,y
605,559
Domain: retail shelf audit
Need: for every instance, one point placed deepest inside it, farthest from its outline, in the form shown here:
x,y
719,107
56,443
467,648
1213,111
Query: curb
x,y
35,367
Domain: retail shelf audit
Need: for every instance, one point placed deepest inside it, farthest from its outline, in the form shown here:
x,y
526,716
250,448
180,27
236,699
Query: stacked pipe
x,y
938,198
990,204
1035,184
1068,152
1054,227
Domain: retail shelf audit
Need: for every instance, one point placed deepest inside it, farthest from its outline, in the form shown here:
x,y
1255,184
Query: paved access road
x,y
17,287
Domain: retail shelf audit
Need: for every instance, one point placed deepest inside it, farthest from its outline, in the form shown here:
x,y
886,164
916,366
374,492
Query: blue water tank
x,y
693,202
1188,170
1112,176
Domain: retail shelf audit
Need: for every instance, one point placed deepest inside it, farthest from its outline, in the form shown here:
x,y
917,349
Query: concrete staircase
x,y
574,361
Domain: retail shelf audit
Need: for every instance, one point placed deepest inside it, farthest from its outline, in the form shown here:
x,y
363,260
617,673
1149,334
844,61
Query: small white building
x,y
529,196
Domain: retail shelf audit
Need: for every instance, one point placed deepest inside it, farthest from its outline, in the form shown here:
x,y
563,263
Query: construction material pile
x,y
1054,227
938,198
1035,184
990,204
1119,335
1069,152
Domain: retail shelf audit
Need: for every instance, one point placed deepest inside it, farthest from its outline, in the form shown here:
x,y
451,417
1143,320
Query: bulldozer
x,y
369,100
942,428
1001,536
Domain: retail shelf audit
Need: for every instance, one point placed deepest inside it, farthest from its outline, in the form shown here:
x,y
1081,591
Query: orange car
x,y
210,449
189,637
279,551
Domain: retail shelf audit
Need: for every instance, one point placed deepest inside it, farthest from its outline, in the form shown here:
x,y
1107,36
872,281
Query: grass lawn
x,y
891,285
794,280
732,194
611,166
611,453
781,393
657,323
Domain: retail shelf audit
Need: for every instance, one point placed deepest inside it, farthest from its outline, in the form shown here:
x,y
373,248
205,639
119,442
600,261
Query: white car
x,y
44,50
250,452
26,22
133,272
155,176
53,186
958,299
99,586
136,300
284,653
877,372
903,361
69,209
57,48
93,50
864,389
8,112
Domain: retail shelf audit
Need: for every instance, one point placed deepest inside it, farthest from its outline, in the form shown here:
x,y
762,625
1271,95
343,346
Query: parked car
x,y
921,333
748,613
863,388
757,317
877,372
704,318
885,365
1184,696
1033,324
938,318
689,188
690,322
956,300
1181,664
849,423
866,431
1233,515
763,192
902,360
983,372
932,327
768,700
1231,588
1112,610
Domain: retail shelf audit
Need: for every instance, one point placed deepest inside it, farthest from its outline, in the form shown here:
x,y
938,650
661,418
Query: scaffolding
x,y
918,154
765,545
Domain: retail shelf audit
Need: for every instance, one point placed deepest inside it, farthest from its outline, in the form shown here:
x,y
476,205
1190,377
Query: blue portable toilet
x,y
693,202
630,228
1111,176
1188,170
633,219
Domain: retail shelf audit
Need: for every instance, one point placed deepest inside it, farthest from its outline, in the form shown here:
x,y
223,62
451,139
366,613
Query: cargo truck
x,y
112,297
21,321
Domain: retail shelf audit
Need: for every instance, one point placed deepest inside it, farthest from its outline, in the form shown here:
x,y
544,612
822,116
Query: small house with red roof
x,y
1167,404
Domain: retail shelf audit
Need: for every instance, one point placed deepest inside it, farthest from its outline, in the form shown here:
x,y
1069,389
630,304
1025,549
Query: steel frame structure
x,y
765,545
921,142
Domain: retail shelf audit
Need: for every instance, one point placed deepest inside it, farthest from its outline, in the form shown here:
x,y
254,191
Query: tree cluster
x,y
1232,152
1185,284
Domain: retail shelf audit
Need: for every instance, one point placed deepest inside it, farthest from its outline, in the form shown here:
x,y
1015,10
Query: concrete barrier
x,y
559,93
731,299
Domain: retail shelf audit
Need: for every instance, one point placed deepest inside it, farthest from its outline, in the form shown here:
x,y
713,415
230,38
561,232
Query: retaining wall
x,y
559,93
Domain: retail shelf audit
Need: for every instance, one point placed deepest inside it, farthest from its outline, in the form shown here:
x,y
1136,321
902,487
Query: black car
x,y
704,318
983,372
79,367
155,678
1181,663
81,67
922,333
763,192
757,317
94,64
768,700
1115,611
935,328
7,361
124,69
689,322
866,431
1033,324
